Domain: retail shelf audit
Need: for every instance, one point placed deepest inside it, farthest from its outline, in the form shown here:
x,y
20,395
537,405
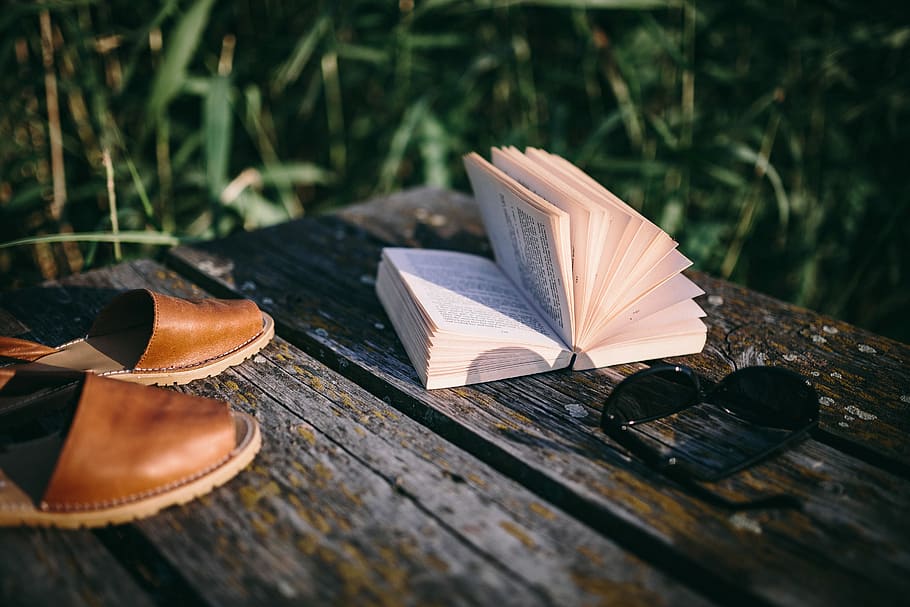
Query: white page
x,y
657,273
608,223
410,324
632,270
471,296
686,313
670,292
531,242
461,321
659,346
622,234
526,172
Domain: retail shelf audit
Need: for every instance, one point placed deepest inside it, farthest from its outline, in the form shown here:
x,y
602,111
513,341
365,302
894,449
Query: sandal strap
x,y
127,441
182,332
22,350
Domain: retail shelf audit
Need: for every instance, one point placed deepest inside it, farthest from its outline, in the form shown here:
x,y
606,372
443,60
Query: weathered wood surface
x,y
849,544
52,568
862,378
349,502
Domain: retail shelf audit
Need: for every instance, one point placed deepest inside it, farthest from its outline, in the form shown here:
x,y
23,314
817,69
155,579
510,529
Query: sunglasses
x,y
777,403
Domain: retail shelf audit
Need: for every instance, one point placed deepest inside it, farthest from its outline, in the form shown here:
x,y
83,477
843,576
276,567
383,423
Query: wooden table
x,y
370,490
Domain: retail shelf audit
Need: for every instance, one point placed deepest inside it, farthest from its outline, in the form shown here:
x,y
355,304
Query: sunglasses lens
x,y
769,396
652,394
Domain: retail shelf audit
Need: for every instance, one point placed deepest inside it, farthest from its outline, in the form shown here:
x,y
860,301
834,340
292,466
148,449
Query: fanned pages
x,y
580,279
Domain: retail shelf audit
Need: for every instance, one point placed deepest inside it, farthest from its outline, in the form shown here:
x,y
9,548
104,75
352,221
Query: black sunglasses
x,y
764,397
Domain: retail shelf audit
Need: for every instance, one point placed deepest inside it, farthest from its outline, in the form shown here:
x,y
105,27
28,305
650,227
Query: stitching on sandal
x,y
192,366
132,498
135,497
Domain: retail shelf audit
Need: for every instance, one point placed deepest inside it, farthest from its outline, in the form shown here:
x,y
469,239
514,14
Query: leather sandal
x,y
149,338
86,451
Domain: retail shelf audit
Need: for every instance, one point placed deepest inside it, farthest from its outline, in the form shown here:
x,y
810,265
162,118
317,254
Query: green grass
x,y
767,137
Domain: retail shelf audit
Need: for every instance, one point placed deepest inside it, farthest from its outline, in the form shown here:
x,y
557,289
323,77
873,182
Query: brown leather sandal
x,y
149,338
86,451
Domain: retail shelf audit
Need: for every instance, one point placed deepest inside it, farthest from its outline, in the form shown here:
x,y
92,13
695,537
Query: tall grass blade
x,y
435,151
766,169
152,238
296,173
53,116
258,125
112,201
179,50
400,141
167,8
290,70
334,111
140,189
217,124
626,5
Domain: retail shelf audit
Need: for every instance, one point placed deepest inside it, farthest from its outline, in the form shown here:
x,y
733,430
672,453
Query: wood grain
x,y
50,567
863,379
316,278
351,502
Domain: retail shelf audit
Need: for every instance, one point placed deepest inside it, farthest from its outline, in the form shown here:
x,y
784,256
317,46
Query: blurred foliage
x,y
767,137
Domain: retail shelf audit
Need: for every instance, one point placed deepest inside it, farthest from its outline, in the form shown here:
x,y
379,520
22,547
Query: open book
x,y
580,279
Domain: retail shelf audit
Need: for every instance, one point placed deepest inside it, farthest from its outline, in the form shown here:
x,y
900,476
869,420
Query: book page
x,y
669,293
619,243
585,219
470,295
621,274
685,314
670,265
689,340
531,242
629,261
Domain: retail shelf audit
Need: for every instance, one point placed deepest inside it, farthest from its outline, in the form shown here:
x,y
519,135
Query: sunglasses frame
x,y
676,467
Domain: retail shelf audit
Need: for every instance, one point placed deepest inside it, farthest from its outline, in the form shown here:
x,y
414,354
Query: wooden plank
x,y
52,567
862,378
351,502
316,277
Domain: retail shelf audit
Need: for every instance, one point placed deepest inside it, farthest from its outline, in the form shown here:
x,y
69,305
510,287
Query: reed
x,y
766,137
